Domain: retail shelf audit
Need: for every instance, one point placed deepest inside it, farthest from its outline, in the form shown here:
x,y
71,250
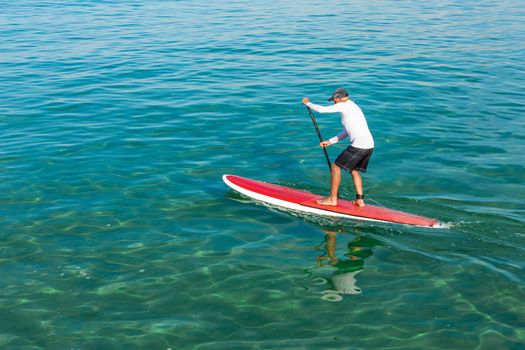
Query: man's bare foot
x,y
360,203
327,201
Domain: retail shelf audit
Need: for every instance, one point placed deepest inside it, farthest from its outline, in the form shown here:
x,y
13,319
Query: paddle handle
x,y
320,137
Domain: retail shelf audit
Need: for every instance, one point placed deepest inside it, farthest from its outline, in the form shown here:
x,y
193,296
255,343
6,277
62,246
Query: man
x,y
354,158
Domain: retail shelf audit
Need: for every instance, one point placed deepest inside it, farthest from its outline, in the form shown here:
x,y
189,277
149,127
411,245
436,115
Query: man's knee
x,y
335,167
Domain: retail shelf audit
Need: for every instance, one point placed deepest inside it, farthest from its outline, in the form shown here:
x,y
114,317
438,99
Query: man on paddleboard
x,y
355,157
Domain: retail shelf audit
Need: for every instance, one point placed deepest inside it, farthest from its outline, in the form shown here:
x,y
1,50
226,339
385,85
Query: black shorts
x,y
354,159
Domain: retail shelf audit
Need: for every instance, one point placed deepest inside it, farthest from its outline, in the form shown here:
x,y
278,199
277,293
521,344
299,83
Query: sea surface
x,y
119,118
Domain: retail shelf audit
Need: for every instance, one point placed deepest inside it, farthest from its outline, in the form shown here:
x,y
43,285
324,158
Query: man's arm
x,y
343,134
323,109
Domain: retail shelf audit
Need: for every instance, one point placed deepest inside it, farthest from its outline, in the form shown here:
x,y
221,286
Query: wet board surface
x,y
307,202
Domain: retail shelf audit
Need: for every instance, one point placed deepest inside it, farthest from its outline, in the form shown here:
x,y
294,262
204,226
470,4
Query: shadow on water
x,y
343,268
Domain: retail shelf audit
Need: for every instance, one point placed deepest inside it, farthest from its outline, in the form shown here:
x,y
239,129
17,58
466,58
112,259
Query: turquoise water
x,y
118,120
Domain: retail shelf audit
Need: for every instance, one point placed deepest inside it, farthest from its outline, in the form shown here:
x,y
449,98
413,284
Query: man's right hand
x,y
306,100
325,144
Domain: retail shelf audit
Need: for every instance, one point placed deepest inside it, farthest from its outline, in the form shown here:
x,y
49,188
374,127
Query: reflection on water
x,y
344,268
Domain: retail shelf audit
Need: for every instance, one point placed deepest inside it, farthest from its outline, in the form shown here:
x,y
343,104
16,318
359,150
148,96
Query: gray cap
x,y
338,93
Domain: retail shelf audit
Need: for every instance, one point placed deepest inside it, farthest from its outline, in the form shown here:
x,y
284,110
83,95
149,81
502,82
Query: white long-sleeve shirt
x,y
354,123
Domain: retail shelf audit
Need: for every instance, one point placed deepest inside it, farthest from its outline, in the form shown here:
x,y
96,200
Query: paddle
x,y
320,138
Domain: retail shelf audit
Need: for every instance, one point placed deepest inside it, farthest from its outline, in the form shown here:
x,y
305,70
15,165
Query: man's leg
x,y
358,184
335,180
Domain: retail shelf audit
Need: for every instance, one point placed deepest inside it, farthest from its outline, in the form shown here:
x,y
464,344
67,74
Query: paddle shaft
x,y
320,138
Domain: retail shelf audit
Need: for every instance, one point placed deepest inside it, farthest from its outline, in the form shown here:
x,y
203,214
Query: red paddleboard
x,y
306,202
